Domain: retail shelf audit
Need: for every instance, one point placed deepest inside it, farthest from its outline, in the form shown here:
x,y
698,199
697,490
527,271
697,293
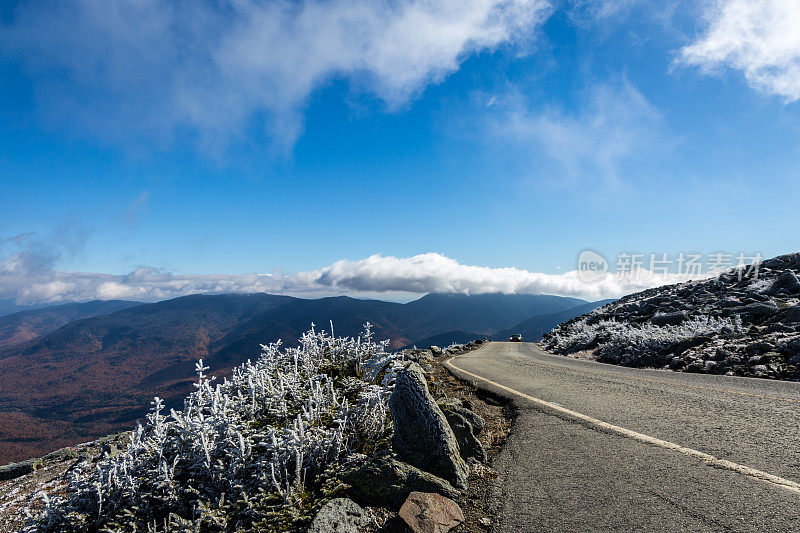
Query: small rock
x,y
108,450
341,515
430,513
444,402
485,522
695,366
435,351
754,310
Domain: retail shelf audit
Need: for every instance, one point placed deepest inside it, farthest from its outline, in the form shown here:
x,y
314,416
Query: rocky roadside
x,y
433,477
746,322
465,502
479,502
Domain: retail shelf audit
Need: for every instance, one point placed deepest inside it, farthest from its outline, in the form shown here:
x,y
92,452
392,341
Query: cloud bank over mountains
x,y
27,282
160,68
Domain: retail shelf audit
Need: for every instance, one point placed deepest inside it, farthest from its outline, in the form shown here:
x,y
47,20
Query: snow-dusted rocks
x,y
740,324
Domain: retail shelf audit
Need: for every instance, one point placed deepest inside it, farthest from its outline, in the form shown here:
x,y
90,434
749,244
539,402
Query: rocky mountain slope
x,y
745,323
94,376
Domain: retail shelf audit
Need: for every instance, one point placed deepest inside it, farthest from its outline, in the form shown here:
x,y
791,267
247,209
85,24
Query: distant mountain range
x,y
26,325
77,371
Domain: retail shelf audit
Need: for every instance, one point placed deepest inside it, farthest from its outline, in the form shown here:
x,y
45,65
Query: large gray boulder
x,y
387,482
340,515
422,436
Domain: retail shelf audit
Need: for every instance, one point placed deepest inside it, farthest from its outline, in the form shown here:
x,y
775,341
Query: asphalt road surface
x,y
605,448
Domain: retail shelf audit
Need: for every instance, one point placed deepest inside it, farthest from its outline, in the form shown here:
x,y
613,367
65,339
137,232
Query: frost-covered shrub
x,y
243,454
760,285
636,344
579,336
647,344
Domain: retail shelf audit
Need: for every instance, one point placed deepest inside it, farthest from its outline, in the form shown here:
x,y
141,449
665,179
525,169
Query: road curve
x,y
605,448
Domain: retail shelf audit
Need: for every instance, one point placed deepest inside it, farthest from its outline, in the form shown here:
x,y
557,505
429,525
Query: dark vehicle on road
x,y
515,338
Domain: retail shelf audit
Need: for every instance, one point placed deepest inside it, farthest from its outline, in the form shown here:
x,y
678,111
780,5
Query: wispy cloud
x,y
602,10
159,68
375,275
758,37
136,209
592,143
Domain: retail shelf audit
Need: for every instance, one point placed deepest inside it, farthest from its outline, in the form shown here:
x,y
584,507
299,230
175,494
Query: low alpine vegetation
x,y
638,345
256,452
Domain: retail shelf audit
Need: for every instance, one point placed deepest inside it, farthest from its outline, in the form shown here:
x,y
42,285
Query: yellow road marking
x,y
705,457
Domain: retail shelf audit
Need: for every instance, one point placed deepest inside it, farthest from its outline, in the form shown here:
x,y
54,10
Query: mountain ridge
x,y
97,375
22,326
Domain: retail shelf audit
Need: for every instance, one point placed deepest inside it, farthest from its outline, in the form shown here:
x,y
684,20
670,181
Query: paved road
x,y
567,472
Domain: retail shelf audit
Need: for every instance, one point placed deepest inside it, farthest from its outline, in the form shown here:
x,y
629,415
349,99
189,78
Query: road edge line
x,y
709,459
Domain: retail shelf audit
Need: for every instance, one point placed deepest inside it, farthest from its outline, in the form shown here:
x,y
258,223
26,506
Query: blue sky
x,y
182,139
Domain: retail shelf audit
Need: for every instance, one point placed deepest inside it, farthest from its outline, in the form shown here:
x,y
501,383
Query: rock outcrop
x,y
387,482
422,435
744,323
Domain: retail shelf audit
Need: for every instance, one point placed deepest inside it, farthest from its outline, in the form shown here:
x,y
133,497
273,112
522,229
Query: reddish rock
x,y
425,512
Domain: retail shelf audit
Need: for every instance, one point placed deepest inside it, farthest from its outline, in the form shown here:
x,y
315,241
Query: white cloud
x,y
154,68
376,275
612,125
761,38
